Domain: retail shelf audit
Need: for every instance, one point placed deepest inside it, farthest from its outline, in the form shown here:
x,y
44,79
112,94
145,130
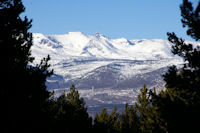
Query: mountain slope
x,y
98,46
74,55
106,71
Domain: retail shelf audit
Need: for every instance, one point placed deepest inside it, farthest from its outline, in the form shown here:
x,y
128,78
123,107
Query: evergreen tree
x,y
23,89
149,118
115,120
144,110
68,113
129,122
101,122
107,123
74,99
80,116
179,104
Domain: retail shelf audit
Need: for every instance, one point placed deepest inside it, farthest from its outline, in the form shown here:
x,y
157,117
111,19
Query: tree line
x,y
27,106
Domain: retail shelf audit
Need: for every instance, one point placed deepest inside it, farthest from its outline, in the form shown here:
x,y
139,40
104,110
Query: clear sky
x,y
132,19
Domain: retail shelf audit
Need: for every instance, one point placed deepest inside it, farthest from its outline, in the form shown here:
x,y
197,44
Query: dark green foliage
x,y
79,116
143,108
191,19
129,122
74,99
23,89
106,123
179,104
68,113
126,122
149,120
26,105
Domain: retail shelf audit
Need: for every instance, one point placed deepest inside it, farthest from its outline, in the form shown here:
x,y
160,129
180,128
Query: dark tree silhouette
x,y
23,89
68,113
179,104
107,123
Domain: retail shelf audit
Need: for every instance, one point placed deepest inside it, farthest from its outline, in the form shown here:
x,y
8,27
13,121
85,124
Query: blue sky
x,y
132,19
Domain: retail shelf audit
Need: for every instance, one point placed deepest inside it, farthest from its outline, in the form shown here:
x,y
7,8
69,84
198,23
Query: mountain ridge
x,y
74,55
98,46
105,71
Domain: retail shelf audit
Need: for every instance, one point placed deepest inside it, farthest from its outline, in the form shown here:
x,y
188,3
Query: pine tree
x,y
143,108
115,120
149,119
129,122
68,113
23,89
101,122
74,98
80,116
179,104
107,123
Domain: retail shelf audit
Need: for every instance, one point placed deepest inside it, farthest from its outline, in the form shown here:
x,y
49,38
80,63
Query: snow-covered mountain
x,y
106,71
98,46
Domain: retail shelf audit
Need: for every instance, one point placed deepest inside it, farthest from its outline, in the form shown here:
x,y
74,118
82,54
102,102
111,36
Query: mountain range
x,y
106,71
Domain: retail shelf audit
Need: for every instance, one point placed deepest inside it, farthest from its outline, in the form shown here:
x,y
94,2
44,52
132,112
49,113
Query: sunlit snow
x,y
92,60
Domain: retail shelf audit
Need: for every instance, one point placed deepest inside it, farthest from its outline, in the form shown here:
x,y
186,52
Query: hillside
x,y
105,71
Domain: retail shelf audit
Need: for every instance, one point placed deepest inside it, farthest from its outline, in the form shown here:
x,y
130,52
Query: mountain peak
x,y
97,34
96,45
100,36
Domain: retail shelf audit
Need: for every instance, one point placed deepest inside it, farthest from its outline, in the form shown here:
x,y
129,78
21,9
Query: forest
x,y
27,106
